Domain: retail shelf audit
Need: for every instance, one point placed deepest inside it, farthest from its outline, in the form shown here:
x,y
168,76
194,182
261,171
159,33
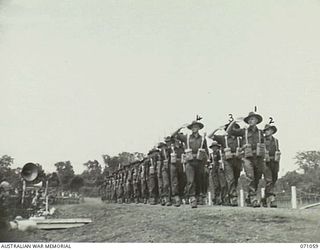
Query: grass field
x,y
146,223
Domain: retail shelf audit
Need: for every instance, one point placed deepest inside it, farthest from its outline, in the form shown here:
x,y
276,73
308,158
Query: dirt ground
x,y
146,223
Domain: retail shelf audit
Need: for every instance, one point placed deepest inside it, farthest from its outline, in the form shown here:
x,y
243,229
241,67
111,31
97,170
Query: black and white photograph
x,y
159,121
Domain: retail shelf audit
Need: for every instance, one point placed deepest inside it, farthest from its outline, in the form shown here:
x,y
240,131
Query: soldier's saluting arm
x,y
235,131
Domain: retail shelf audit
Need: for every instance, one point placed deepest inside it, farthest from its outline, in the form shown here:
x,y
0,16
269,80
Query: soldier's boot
x,y
136,200
152,201
177,201
168,202
145,201
193,202
120,201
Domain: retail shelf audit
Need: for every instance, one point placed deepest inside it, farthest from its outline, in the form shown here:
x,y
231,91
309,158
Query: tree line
x,y
88,182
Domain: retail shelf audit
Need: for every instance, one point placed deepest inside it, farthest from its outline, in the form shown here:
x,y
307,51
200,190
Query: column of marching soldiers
x,y
180,169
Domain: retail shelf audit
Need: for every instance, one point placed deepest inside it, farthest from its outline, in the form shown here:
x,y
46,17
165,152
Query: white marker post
x,y
241,198
294,197
209,199
263,193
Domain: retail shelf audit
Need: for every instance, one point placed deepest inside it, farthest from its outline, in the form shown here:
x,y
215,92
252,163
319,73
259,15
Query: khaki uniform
x,y
253,165
232,166
178,178
153,179
194,167
217,179
271,167
136,183
144,173
165,194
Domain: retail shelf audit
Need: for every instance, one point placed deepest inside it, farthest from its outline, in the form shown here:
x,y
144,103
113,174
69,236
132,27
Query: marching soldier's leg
x,y
175,184
267,174
206,180
259,167
258,164
231,186
119,195
145,190
126,192
135,191
223,186
182,179
122,193
166,183
275,171
152,187
191,185
271,175
216,194
199,175
160,185
139,191
131,194
183,187
250,175
115,195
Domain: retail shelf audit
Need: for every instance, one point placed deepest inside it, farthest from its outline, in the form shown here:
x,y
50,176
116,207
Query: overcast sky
x,y
83,78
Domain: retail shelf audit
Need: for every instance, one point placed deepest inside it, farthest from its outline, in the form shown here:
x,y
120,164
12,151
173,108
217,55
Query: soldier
x,y
196,156
144,170
113,188
121,185
164,181
272,163
253,159
217,179
153,178
129,181
177,173
160,157
230,146
136,182
125,184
